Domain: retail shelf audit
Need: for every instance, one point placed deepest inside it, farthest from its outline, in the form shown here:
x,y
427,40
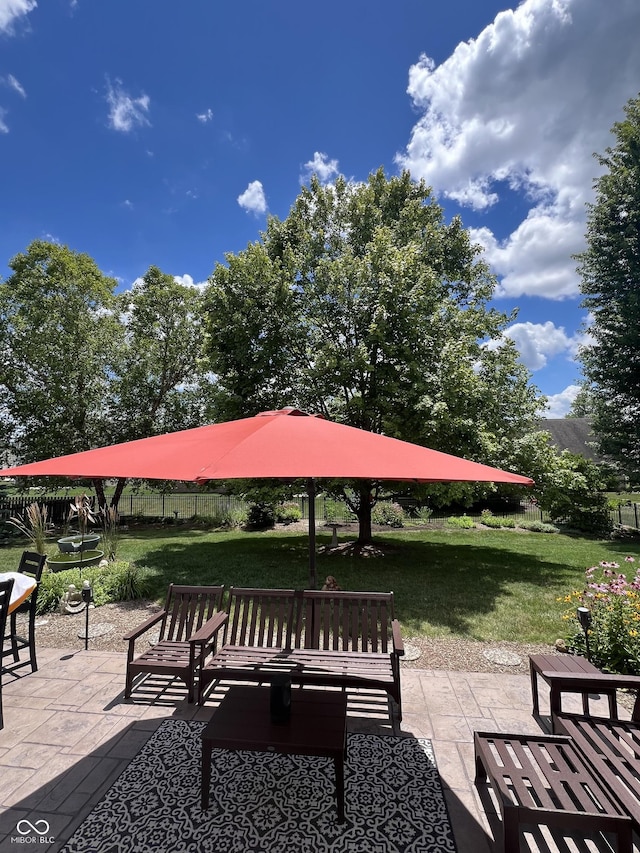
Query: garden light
x,y
87,595
584,618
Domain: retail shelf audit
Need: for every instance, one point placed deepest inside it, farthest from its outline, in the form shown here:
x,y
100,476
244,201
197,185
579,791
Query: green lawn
x,y
482,584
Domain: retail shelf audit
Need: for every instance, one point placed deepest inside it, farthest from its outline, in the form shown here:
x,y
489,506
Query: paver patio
x,y
69,734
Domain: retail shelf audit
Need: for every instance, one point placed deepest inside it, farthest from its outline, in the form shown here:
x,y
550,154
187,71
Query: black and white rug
x,y
267,803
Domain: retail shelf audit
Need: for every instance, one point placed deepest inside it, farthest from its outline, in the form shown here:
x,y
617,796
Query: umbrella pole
x,y
311,492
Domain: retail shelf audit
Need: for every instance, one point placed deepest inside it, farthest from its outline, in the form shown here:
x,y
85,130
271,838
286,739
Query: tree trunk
x,y
98,485
363,513
118,492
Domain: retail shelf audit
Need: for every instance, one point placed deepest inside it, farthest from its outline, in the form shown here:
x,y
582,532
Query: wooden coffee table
x,y
317,726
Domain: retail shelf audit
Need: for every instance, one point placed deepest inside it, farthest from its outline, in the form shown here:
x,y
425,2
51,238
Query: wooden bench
x,y
318,638
545,780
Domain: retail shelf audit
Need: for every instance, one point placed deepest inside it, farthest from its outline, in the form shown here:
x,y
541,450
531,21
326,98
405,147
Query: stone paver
x,y
69,734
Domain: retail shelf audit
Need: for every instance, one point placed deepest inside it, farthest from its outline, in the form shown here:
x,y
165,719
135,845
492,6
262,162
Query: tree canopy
x,y
58,333
366,306
160,378
610,281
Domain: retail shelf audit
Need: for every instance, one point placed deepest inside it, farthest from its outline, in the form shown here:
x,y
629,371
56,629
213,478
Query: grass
x,y
481,584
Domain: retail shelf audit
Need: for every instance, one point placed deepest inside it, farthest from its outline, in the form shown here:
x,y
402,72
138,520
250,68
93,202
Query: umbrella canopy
x,y
284,444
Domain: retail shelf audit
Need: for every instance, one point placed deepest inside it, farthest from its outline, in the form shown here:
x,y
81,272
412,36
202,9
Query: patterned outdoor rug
x,y
267,803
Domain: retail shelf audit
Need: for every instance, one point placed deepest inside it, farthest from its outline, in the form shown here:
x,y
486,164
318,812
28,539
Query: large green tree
x,y
58,334
610,271
160,384
366,306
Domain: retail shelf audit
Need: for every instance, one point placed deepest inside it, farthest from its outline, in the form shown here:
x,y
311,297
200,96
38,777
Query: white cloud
x,y
4,128
125,112
538,342
526,105
205,116
321,166
560,404
253,199
187,281
13,83
11,10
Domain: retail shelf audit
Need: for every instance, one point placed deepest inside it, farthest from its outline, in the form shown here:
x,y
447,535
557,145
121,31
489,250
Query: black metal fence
x,y
182,506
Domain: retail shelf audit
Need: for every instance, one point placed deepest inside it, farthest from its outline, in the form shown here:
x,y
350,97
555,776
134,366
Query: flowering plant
x,y
614,605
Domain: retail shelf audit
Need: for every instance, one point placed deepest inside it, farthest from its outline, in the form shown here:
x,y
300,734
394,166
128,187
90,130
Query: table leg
x,y
339,766
534,688
205,774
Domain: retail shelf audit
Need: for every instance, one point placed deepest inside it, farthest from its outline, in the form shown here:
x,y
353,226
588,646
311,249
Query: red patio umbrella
x,y
285,444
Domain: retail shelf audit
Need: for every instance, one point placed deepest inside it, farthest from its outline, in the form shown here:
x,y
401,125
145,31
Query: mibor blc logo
x,y
32,833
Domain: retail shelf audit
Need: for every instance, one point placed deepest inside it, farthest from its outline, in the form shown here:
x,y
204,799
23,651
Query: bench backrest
x,y
310,619
266,618
347,621
187,609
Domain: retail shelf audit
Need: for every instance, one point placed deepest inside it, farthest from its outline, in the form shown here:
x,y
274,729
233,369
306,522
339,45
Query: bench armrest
x,y
579,682
567,682
398,645
137,632
210,627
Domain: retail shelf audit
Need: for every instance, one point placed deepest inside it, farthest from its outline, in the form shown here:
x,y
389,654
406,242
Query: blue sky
x,y
146,132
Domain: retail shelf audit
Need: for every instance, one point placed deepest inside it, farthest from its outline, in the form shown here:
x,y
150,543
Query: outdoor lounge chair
x,y
188,610
32,564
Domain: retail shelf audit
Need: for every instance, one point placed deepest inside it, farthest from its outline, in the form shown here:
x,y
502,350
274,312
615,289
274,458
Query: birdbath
x,y
78,542
334,533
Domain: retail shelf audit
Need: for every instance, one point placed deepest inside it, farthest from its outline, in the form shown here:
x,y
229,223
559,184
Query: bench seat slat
x,y
320,638
612,748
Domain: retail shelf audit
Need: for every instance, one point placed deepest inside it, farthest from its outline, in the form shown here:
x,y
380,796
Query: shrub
x,y
235,518
490,520
387,513
423,514
336,511
572,496
126,582
614,607
461,521
538,527
332,511
119,581
261,516
287,513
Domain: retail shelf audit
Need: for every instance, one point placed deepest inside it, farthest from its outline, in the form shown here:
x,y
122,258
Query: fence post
x,y
635,513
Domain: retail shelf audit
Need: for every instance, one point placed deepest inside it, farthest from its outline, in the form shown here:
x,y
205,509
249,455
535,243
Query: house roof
x,y
572,434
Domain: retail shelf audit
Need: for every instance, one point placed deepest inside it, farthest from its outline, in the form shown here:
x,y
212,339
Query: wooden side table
x,y
317,726
539,664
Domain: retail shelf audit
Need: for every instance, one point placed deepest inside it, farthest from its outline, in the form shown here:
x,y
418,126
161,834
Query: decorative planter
x,y
74,561
74,544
